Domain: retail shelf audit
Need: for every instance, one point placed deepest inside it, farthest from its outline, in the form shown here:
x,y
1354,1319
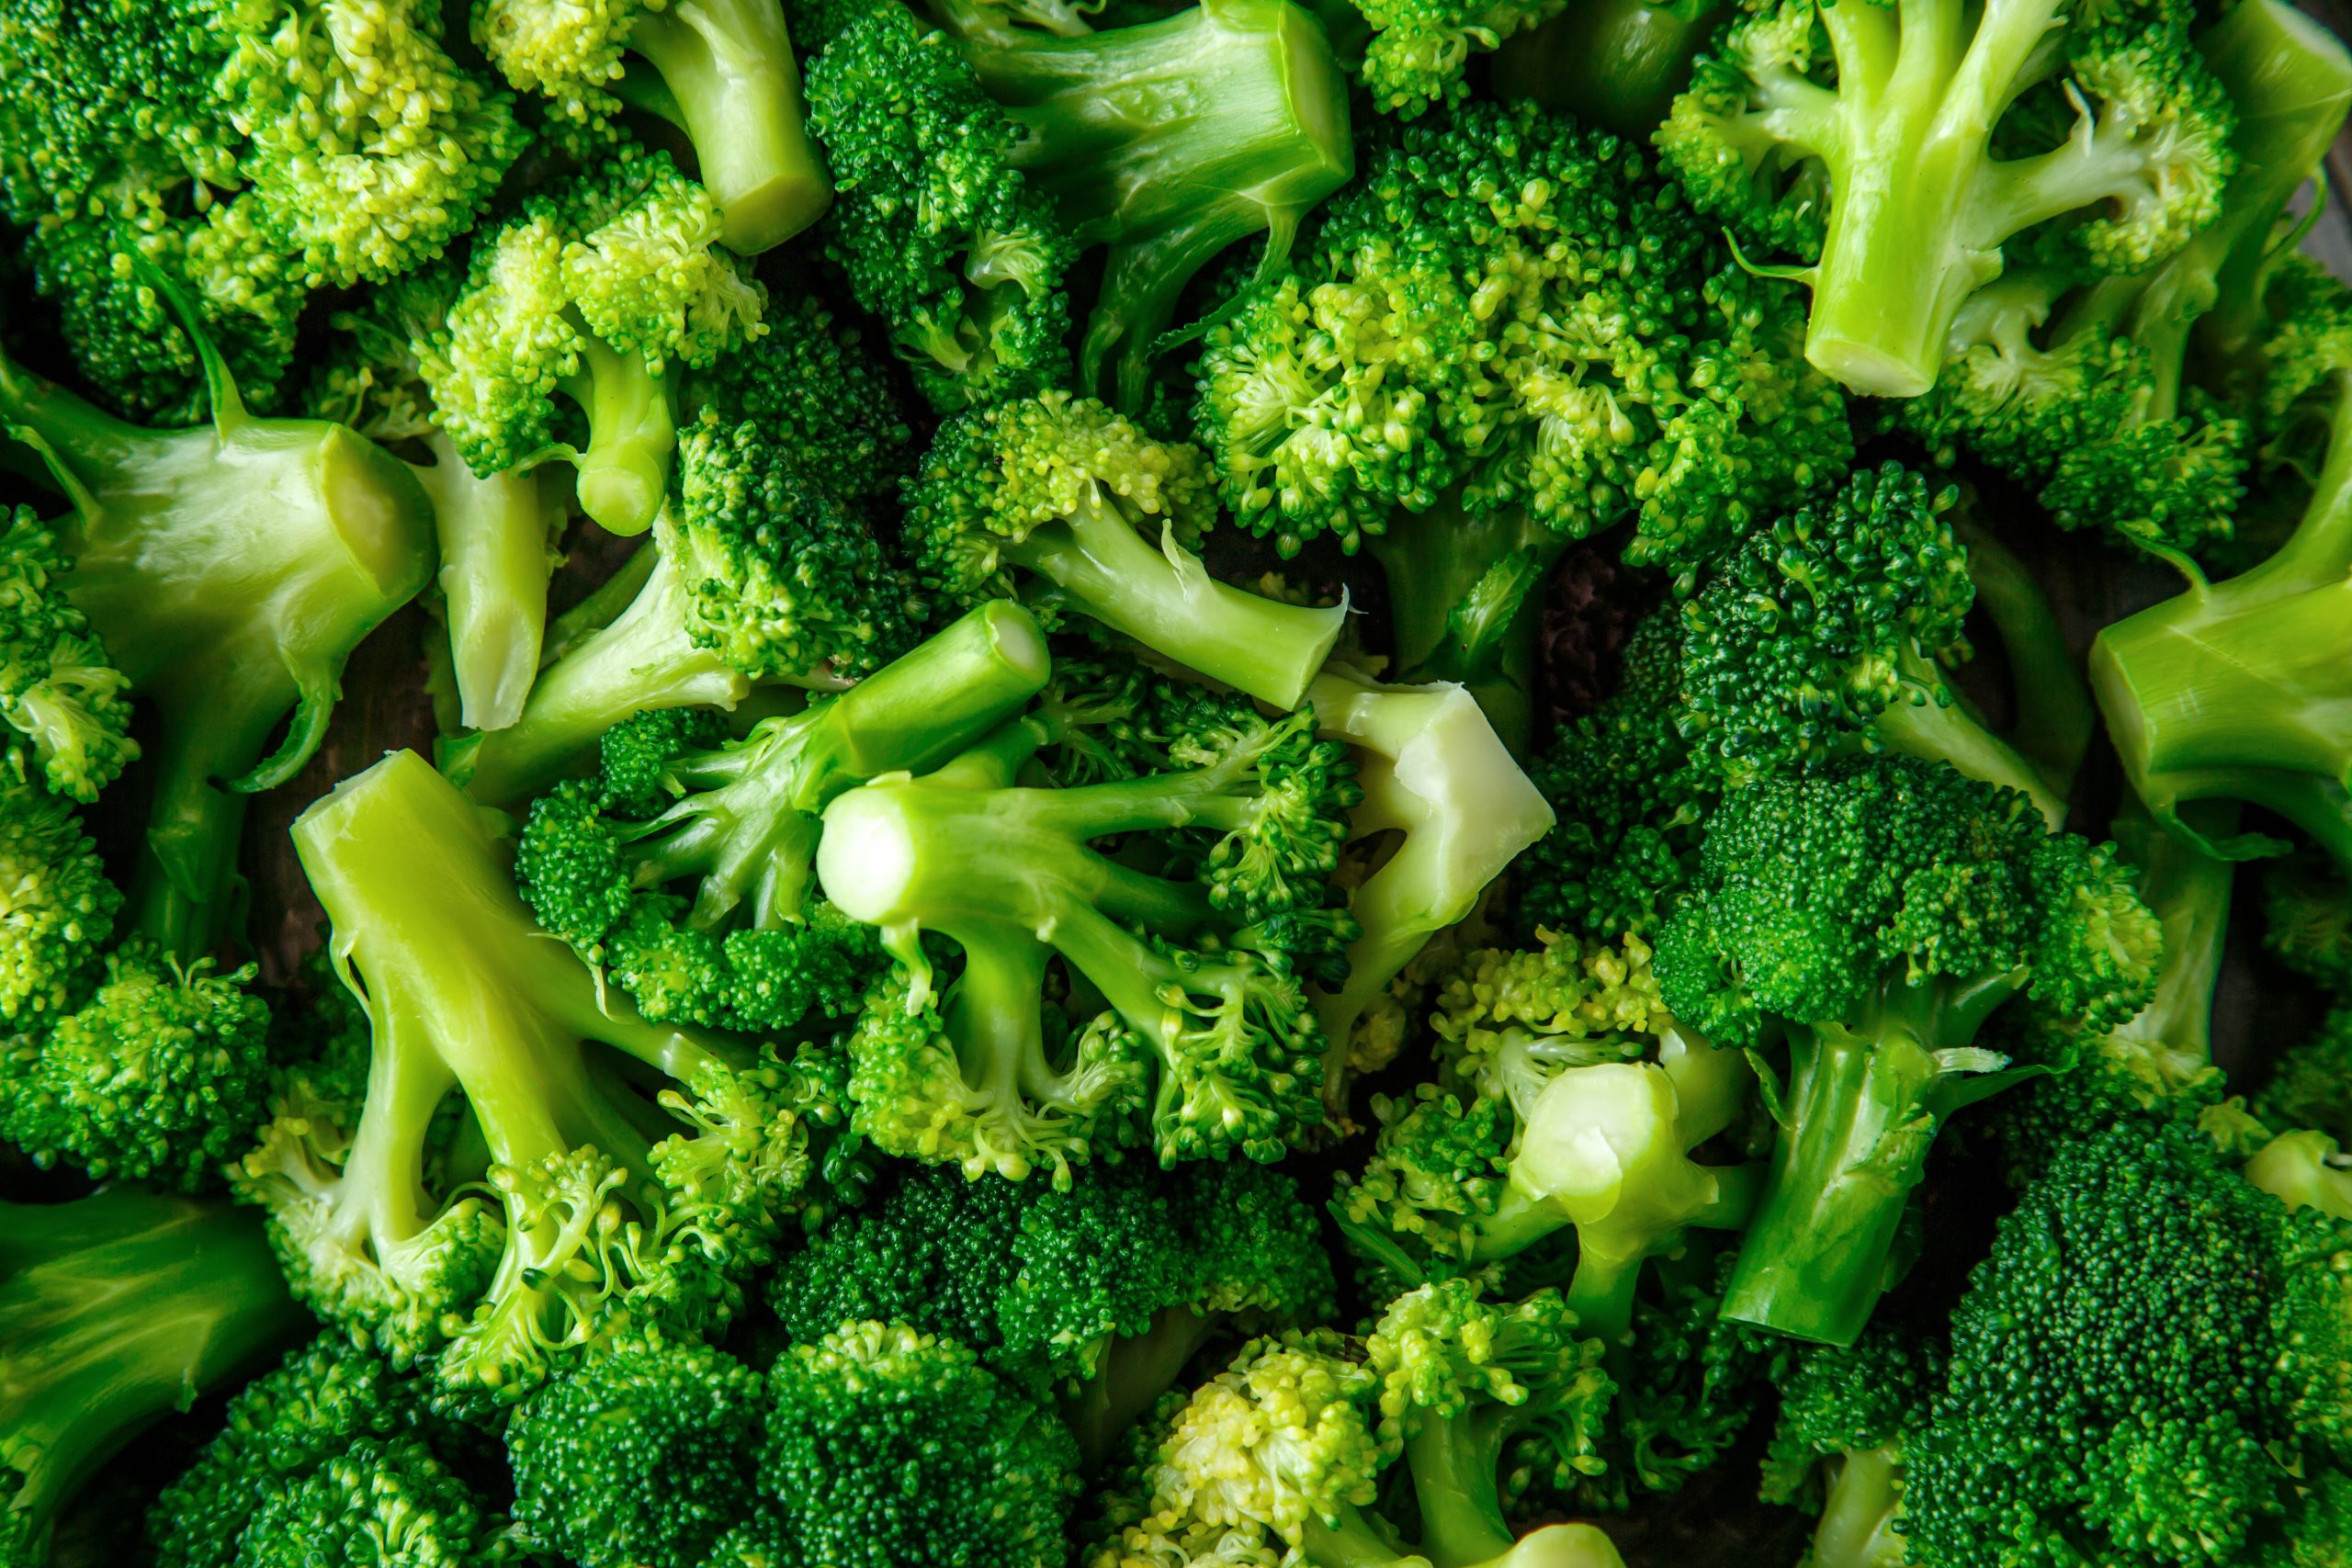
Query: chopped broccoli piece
x,y
1847,1416
59,690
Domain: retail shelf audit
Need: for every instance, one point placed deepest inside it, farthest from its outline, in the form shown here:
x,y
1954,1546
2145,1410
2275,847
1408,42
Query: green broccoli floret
x,y
1829,632
887,1447
2307,920
2310,1085
1509,334
597,293
2149,1367
1064,493
1310,1447
2232,690
59,907
722,71
230,570
1846,1419
1195,962
1101,1292
639,1458
117,1310
976,164
612,1196
685,871
760,577
60,691
251,154
1905,158
1876,913
1413,54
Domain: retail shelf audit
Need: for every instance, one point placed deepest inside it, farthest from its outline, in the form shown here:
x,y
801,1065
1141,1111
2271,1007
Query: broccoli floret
x,y
760,577
1847,1418
1310,1446
722,71
1413,54
1905,158
59,690
1829,632
230,570
685,870
116,1310
2310,1085
2230,689
1101,1292
1203,1023
247,154
1064,493
59,907
817,381
1876,913
597,293
976,164
614,1195
2307,920
1507,335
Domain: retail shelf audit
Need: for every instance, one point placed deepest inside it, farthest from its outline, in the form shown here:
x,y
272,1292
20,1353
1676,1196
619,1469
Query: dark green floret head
x,y
62,907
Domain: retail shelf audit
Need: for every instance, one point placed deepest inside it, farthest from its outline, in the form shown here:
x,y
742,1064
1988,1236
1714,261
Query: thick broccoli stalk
x,y
1939,139
1064,491
1877,912
686,870
634,1171
1205,1023
723,71
231,569
760,576
1432,770
2236,690
117,1310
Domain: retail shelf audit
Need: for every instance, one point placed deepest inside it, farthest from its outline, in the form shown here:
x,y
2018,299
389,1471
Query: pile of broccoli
x,y
1115,784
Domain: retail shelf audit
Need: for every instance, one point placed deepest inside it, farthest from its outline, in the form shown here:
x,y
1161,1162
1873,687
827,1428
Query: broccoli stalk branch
x,y
631,432
494,535
1458,590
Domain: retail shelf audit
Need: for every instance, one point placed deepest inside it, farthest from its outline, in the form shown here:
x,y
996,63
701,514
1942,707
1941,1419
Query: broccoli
x,y
115,1311
684,870
1507,335
1905,158
2307,920
597,292
1099,1293
228,569
1618,64
2303,1168
1846,1419
61,908
68,721
2311,1084
1288,1455
722,71
635,1172
1196,961
1413,54
249,155
1827,633
976,164
1877,911
761,577
2233,690
1065,492
319,1458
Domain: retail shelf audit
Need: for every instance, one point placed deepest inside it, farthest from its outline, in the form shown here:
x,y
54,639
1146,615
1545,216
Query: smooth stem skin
x,y
231,569
2242,690
2302,1169
1857,1528
625,468
2055,715
1935,726
604,604
1433,770
1159,593
747,822
731,75
1460,595
119,1309
1167,143
1358,1541
1615,63
1135,1373
495,564
2190,890
1863,1103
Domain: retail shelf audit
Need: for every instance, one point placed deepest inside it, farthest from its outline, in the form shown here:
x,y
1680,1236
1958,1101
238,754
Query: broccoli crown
x,y
1040,1281
2307,921
2134,1369
885,1446
1874,1393
58,690
250,154
161,1076
1420,49
938,232
1515,312
639,1458
814,380
61,907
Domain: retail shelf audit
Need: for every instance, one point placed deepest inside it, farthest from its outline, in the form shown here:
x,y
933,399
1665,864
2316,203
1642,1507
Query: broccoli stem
x,y
1937,728
631,432
1857,1528
1167,143
1618,63
1459,590
494,569
731,74
1161,594
2240,689
1454,1460
1135,1370
2055,716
